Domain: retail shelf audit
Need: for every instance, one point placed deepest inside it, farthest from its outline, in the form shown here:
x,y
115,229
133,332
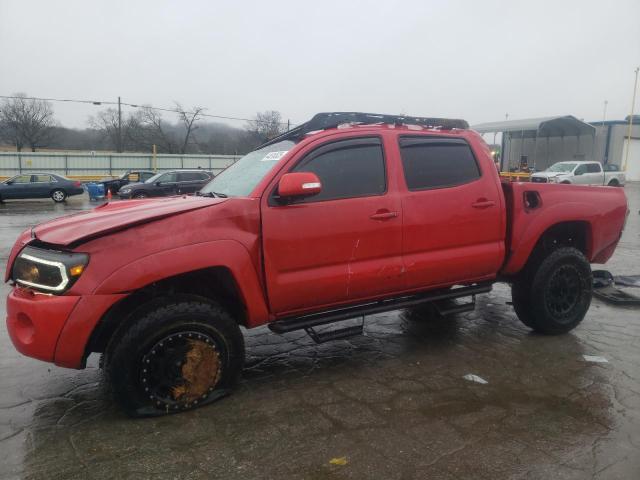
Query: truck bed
x,y
534,208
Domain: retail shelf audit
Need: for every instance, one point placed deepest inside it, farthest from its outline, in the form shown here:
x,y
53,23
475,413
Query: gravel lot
x,y
392,404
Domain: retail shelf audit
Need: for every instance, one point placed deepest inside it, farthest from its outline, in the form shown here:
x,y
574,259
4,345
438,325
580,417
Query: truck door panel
x,y
595,174
328,249
453,213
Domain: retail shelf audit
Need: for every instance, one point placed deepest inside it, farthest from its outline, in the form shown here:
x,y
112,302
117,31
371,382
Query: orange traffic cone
x,y
108,194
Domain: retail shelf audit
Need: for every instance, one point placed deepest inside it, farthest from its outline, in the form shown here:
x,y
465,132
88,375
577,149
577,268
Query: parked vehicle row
x,y
581,173
174,182
132,184
346,215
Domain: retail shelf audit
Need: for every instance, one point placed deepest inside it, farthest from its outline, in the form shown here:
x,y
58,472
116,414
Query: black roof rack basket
x,y
322,121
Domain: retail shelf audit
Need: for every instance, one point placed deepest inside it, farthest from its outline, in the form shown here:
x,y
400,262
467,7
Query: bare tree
x,y
26,121
106,123
188,120
267,124
147,127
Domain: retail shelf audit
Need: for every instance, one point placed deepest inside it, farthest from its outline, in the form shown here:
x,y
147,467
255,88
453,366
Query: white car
x,y
581,173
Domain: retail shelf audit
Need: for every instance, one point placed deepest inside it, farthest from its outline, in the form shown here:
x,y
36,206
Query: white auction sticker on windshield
x,y
273,156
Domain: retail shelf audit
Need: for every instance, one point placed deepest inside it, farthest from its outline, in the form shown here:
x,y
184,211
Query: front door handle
x,y
383,215
483,203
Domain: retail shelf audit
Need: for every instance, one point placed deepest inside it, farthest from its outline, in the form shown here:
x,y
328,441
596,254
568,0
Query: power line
x,y
171,110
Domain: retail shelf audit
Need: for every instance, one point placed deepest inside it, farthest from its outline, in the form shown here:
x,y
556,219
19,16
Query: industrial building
x,y
536,143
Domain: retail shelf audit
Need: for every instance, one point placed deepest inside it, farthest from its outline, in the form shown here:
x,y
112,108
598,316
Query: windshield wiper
x,y
211,194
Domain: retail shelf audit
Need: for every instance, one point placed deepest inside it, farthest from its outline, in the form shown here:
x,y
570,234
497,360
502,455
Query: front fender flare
x,y
220,253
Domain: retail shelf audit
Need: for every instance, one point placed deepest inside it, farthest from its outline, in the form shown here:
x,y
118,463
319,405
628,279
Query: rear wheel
x,y
552,294
179,354
58,196
614,183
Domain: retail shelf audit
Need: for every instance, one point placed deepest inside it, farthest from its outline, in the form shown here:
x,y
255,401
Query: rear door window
x,y
346,169
193,176
593,168
41,178
189,177
437,162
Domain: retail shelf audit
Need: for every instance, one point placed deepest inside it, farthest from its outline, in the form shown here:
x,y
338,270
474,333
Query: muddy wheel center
x,y
181,370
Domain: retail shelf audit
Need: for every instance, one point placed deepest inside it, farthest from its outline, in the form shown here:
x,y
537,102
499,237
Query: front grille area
x,y
539,179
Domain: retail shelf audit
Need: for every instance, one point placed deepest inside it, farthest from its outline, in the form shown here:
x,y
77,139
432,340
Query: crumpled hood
x,y
112,217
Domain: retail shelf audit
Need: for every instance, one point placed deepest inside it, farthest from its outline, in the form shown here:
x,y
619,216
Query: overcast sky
x,y
472,59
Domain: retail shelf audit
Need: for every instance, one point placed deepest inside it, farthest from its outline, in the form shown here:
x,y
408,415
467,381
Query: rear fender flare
x,y
522,247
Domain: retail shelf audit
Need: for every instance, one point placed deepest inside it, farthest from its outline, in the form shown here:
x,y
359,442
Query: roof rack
x,y
322,121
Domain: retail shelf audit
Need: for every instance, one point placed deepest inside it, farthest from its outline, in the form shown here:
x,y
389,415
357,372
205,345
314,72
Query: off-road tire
x,y
181,318
139,195
58,196
553,293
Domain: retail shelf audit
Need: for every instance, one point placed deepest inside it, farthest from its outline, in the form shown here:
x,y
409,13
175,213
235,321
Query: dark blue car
x,y
39,185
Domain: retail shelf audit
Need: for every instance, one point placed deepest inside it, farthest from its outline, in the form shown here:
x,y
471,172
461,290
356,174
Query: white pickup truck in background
x,y
581,173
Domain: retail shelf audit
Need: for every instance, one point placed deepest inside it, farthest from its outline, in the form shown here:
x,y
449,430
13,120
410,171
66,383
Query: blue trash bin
x,y
96,191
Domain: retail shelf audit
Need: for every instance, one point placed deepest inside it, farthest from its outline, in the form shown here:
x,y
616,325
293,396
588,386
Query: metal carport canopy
x,y
561,126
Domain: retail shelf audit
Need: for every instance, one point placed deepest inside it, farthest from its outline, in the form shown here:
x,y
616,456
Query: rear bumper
x,y
55,328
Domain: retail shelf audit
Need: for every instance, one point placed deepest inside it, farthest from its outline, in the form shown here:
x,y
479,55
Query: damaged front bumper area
x,y
55,328
35,321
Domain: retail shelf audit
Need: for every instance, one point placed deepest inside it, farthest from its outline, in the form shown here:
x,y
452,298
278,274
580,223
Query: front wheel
x,y
552,295
58,196
139,195
181,353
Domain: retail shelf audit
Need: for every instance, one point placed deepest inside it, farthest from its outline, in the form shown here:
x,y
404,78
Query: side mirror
x,y
299,184
158,184
9,182
578,172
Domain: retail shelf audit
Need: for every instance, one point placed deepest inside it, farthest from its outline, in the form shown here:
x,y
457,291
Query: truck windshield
x,y
562,167
242,177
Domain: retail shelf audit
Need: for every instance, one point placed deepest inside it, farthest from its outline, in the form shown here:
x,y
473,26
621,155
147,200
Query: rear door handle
x,y
383,215
483,204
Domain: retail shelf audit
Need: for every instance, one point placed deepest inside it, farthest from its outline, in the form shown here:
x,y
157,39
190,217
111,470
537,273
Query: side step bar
x,y
444,309
314,319
337,334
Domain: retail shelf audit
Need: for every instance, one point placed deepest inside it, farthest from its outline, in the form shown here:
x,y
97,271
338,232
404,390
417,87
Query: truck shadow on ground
x,y
405,375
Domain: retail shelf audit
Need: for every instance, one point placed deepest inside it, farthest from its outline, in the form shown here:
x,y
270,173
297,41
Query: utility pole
x,y
604,113
119,127
288,125
633,103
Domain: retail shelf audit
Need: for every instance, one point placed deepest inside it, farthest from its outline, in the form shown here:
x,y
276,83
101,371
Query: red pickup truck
x,y
346,215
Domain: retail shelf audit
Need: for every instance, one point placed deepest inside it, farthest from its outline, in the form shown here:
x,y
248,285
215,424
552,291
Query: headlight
x,y
48,270
125,190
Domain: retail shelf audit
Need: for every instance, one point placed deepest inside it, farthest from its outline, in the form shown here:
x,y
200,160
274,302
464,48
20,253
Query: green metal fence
x,y
96,164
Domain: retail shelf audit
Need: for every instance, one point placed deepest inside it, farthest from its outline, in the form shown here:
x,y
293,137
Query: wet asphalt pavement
x,y
392,404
